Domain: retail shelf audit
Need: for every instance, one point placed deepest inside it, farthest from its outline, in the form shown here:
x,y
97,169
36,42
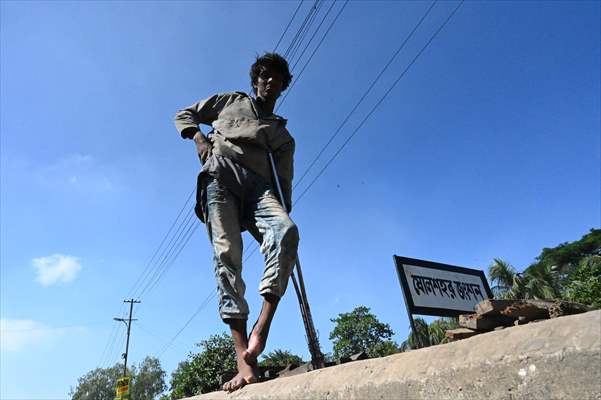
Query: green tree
x,y
585,283
502,276
438,328
549,275
567,256
280,358
359,331
200,373
429,335
539,281
147,381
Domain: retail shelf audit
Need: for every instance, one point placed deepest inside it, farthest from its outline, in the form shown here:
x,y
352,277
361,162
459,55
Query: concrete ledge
x,y
554,359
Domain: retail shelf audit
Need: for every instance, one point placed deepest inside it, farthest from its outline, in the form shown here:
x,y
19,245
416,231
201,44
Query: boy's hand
x,y
203,146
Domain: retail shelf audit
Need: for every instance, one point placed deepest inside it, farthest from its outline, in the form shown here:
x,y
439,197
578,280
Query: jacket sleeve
x,y
204,112
284,161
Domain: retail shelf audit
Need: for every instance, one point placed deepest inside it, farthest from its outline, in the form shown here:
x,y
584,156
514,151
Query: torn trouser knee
x,y
279,243
279,261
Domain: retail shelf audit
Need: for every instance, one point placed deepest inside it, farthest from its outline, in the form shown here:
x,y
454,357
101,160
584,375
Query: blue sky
x,y
488,147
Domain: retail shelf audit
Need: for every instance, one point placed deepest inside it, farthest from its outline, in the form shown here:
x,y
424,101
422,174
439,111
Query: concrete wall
x,y
554,359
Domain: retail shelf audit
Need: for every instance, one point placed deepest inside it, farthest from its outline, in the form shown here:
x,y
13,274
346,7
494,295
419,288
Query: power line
x,y
109,347
312,54
376,105
116,355
300,3
348,116
186,238
362,98
300,29
148,265
175,240
313,36
166,252
306,29
380,100
144,329
198,310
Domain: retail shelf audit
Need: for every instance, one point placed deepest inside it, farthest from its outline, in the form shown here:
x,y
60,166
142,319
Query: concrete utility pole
x,y
128,324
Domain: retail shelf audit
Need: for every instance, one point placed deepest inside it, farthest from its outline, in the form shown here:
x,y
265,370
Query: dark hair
x,y
273,61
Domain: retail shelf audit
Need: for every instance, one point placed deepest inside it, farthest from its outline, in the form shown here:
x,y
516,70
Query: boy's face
x,y
269,84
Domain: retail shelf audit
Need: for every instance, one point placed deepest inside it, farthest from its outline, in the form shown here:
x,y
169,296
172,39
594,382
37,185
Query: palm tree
x,y
538,281
503,276
543,282
429,335
423,336
438,328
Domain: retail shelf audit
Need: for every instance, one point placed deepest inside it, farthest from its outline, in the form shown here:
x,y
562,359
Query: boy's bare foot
x,y
247,374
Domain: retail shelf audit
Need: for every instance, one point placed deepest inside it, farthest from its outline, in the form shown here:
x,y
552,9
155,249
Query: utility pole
x,y
128,324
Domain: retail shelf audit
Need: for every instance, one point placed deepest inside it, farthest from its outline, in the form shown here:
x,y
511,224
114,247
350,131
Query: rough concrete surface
x,y
554,359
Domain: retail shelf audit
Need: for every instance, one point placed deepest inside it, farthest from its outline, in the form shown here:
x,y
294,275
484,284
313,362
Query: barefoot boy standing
x,y
236,192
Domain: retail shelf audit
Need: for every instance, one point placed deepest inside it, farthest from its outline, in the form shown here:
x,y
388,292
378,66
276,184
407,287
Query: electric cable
x,y
300,3
198,310
147,268
304,32
112,337
175,240
313,36
110,344
167,252
377,104
144,329
312,54
371,86
118,354
186,238
256,245
298,32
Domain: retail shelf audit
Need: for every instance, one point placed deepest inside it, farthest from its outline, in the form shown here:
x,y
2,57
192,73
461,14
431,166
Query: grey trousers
x,y
259,211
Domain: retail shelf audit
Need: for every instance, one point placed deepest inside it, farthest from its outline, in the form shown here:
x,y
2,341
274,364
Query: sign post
x,y
431,288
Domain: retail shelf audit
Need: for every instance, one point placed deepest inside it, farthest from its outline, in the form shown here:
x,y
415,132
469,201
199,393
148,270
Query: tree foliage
x,y
553,274
428,335
280,358
147,382
567,256
585,282
359,331
200,373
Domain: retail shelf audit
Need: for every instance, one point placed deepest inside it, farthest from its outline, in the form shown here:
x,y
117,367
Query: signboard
x,y
123,388
438,289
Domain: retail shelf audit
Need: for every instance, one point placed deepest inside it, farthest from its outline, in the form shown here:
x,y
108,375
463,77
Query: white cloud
x,y
77,171
56,268
21,334
17,334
